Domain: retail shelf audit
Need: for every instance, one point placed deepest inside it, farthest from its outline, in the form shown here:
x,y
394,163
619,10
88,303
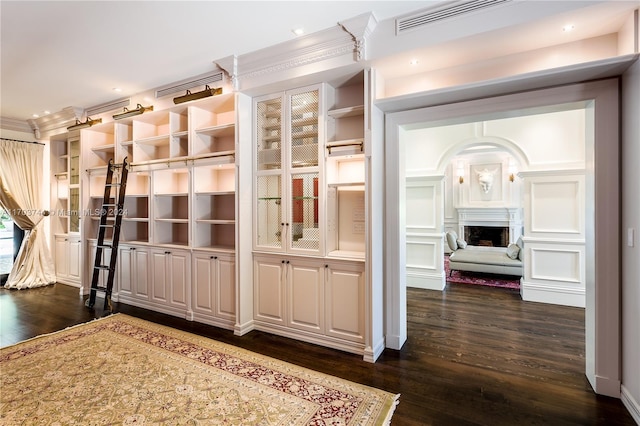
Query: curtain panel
x,y
21,168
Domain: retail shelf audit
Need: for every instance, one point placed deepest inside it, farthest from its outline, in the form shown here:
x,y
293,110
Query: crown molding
x,y
15,124
360,27
341,45
55,123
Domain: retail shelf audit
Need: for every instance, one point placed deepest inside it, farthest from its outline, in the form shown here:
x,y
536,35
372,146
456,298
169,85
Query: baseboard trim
x,y
630,403
426,281
555,295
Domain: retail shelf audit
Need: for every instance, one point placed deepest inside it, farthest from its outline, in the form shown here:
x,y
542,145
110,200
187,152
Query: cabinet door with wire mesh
x,y
269,134
303,129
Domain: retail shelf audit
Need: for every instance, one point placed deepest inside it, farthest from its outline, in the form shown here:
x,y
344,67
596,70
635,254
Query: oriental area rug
x,y
477,278
121,370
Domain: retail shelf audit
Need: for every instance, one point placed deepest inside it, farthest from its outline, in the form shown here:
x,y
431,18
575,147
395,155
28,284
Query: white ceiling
x,y
60,54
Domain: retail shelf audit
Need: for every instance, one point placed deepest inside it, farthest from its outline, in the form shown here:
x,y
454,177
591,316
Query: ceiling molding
x,y
55,123
15,124
317,52
360,27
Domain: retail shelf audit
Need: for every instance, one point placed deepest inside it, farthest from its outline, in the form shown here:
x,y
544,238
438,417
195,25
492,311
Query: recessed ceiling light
x,y
298,31
414,61
47,112
35,116
568,28
117,89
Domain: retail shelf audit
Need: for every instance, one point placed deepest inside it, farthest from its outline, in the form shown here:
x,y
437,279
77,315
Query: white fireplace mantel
x,y
492,216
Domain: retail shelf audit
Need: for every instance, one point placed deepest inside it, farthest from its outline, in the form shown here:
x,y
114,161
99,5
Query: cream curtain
x,y
20,195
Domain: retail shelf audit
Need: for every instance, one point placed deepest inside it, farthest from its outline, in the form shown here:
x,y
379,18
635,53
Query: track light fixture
x,y
198,95
83,125
130,113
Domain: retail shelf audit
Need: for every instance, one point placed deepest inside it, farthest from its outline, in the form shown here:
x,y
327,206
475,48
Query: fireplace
x,y
490,226
491,236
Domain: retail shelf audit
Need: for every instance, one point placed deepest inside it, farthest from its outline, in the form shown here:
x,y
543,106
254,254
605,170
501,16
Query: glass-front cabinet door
x,y
74,184
288,177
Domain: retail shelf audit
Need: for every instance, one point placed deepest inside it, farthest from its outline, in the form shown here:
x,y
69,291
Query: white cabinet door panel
x,y
306,297
269,291
345,304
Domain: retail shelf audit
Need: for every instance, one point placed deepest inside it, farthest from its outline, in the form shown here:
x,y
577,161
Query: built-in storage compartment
x,y
136,208
213,126
323,301
160,135
170,279
213,295
171,207
214,208
65,207
133,275
346,212
68,259
98,146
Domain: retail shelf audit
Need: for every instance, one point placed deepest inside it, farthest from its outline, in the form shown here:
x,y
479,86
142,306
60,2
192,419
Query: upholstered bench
x,y
492,260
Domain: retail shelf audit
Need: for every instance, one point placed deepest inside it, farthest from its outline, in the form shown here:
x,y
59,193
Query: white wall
x,y
631,255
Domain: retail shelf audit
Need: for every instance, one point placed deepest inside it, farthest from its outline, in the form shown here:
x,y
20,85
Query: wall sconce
x,y
512,171
132,112
83,125
460,172
208,91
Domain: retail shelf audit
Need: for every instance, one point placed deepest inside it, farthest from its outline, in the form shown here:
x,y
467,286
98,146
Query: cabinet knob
x,y
167,252
326,266
213,257
283,261
287,262
282,224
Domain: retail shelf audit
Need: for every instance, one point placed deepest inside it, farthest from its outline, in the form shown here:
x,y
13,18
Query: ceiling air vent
x,y
109,106
450,10
215,79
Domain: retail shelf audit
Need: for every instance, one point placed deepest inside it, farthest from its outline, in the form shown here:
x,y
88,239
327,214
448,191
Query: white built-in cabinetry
x,y
310,223
304,270
180,207
66,214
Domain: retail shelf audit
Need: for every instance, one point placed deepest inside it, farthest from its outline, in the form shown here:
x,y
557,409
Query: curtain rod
x,y
16,140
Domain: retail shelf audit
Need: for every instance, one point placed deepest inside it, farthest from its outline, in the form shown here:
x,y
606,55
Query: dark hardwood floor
x,y
474,355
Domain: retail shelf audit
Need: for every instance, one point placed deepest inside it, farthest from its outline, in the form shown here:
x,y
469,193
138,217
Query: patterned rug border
x,y
387,401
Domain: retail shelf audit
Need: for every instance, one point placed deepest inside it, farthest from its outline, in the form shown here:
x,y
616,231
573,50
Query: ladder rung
x,y
113,184
103,289
109,205
105,246
104,267
106,226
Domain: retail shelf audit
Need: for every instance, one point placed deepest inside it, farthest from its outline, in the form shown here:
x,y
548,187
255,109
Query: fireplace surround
x,y
490,226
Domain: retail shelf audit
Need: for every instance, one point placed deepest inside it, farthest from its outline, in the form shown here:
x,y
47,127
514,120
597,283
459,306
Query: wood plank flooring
x,y
474,355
